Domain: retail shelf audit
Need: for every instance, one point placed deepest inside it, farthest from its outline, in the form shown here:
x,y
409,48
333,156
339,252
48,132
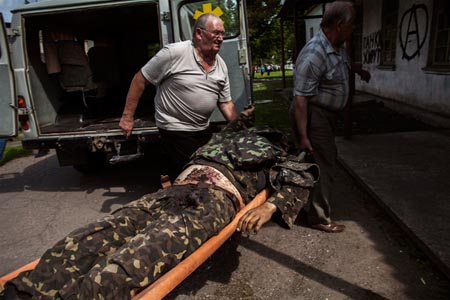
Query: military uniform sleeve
x,y
289,201
292,182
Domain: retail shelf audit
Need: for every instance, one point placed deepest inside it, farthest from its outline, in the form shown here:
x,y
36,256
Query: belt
x,y
196,174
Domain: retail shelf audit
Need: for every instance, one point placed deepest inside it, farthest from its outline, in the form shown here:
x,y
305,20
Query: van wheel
x,y
95,162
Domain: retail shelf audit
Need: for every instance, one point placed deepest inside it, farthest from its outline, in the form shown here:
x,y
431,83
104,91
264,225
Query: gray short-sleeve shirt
x,y
186,96
322,73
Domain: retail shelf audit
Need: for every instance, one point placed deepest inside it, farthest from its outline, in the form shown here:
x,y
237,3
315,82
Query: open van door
x,y
234,49
8,118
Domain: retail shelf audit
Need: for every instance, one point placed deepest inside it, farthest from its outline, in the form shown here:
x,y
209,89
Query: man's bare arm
x,y
228,110
357,68
301,122
137,87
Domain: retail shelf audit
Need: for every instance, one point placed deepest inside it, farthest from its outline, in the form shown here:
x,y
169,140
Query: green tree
x,y
265,32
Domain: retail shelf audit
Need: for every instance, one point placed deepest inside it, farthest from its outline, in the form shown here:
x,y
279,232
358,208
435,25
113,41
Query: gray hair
x,y
203,20
336,12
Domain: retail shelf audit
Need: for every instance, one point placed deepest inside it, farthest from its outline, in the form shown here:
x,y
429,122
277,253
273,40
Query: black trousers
x,y
178,146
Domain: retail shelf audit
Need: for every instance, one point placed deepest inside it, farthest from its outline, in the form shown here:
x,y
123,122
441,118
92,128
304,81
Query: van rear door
x,y
234,49
8,123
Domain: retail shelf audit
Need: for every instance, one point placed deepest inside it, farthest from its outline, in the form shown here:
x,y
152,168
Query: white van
x,y
70,63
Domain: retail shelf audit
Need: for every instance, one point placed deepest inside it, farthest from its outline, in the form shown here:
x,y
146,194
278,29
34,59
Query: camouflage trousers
x,y
118,256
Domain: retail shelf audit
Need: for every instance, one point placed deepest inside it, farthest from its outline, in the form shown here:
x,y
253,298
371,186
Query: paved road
x,y
40,202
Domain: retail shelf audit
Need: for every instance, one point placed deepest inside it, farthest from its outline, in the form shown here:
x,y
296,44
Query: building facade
x,y
405,44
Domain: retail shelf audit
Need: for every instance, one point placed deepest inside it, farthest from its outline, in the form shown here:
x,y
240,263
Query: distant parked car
x,y
276,67
289,66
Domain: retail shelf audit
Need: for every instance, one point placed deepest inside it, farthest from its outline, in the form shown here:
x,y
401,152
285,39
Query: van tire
x,y
95,162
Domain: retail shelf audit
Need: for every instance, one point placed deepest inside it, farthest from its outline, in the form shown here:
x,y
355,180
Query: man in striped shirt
x,y
321,89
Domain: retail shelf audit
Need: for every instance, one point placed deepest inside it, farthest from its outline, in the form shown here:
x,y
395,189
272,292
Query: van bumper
x,y
77,150
100,143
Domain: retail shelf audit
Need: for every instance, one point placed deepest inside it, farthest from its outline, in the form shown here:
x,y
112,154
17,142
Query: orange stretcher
x,y
170,280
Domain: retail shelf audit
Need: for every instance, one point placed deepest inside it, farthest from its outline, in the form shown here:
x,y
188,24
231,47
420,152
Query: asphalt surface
x,y
372,259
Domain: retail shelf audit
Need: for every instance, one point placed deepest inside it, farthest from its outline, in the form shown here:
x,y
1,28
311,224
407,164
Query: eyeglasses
x,y
215,33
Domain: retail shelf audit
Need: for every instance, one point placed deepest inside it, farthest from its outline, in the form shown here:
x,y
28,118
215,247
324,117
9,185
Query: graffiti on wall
x,y
413,30
371,48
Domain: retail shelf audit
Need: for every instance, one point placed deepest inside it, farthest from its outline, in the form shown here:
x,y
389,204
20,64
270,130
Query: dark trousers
x,y
321,130
178,146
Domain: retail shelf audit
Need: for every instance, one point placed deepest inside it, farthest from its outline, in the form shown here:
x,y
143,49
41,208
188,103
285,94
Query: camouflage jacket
x,y
256,157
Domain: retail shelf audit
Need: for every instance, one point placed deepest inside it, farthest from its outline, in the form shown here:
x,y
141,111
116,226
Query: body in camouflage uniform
x,y
120,255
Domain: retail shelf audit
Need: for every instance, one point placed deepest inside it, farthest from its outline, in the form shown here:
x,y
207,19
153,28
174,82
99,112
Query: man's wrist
x,y
127,115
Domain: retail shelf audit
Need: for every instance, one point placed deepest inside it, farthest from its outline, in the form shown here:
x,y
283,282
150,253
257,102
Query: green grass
x,y
274,75
275,113
13,152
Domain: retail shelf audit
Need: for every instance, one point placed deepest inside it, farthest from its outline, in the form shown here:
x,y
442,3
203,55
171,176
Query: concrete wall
x,y
313,25
407,83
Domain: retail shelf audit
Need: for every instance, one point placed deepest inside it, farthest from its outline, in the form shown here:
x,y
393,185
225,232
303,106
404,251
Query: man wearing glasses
x,y
191,80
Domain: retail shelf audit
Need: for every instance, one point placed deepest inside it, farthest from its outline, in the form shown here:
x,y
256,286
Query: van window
x,y
228,11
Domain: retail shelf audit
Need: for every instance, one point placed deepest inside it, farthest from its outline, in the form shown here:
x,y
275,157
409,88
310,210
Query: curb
x,y
416,240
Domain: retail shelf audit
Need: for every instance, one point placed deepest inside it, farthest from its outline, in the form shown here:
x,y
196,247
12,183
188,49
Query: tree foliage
x,y
265,32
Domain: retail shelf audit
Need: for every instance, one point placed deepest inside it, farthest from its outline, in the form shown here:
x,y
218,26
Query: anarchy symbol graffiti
x,y
415,36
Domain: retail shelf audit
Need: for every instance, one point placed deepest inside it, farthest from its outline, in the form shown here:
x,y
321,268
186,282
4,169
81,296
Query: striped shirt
x,y
322,73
